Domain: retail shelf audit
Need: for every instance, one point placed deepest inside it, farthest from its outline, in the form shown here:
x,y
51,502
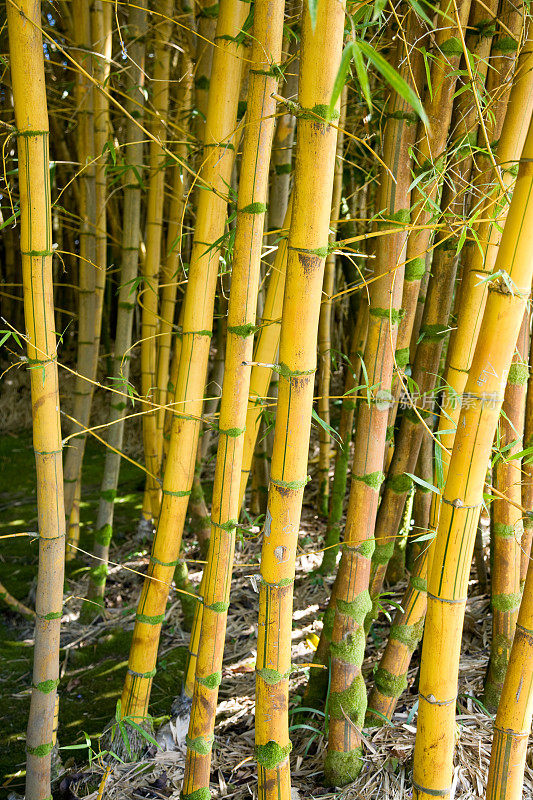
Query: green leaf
x,y
395,80
340,78
362,74
423,483
331,431
143,733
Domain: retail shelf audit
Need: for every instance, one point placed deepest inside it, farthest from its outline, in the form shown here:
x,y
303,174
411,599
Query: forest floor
x,y
93,663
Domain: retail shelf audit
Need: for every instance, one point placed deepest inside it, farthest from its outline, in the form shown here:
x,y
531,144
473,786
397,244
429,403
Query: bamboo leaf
x,y
395,80
423,483
331,431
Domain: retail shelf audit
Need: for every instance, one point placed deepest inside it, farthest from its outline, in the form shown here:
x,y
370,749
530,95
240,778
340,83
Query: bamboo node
x,y
210,681
372,479
170,493
201,744
270,755
272,676
294,485
146,675
46,686
41,750
432,700
432,792
156,619
155,560
30,133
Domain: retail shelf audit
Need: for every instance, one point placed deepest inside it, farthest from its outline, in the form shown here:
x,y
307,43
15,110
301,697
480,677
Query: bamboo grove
x,y
275,257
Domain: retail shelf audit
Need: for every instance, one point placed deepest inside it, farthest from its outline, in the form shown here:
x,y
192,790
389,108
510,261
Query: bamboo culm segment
x,y
149,296
350,602
126,303
507,526
197,327
308,239
89,308
463,493
31,118
512,726
251,207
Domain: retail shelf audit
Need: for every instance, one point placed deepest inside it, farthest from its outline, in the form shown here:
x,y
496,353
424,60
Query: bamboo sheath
x,y
307,249
197,327
513,720
87,357
133,156
251,208
350,599
148,297
31,118
463,493
507,525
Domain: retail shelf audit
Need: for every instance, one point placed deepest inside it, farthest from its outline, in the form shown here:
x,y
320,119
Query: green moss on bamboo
x,y
341,768
388,684
351,702
351,649
356,609
271,754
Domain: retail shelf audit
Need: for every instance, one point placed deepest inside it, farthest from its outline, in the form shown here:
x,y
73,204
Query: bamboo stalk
x,y
133,157
251,208
512,726
463,493
87,356
321,47
196,336
507,525
154,223
324,326
31,118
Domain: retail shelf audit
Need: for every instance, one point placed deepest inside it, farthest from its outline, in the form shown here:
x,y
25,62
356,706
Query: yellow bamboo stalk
x,y
31,118
324,326
197,328
172,265
154,222
321,47
87,356
136,46
473,290
527,479
507,527
513,720
251,208
265,352
448,582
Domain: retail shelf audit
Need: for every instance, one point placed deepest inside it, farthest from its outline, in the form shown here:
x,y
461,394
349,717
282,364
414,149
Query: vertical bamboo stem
x,y
463,493
31,117
321,46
